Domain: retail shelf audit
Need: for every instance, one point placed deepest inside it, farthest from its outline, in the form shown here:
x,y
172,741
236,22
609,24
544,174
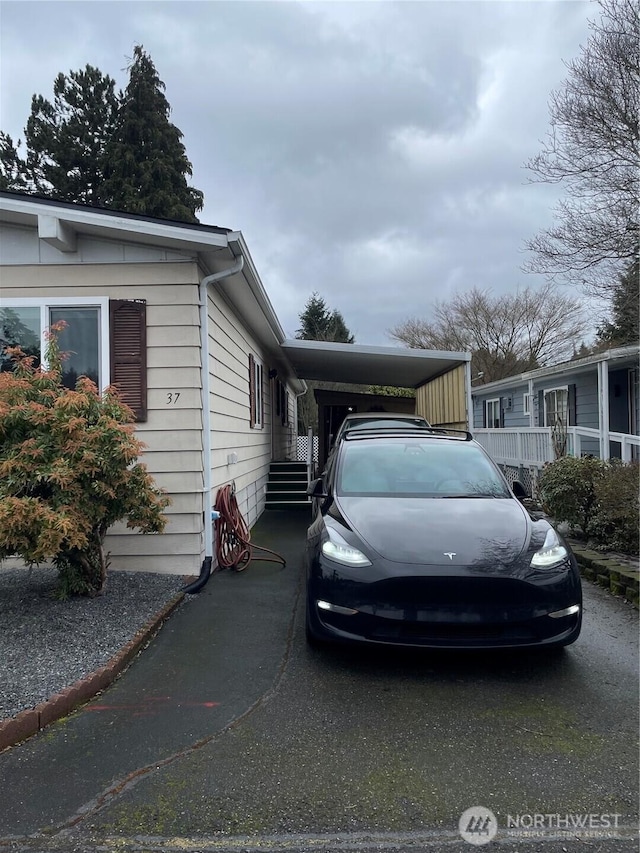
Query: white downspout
x,y
205,571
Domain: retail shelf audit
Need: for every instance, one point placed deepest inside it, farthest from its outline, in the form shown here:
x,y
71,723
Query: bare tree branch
x,y
506,334
593,151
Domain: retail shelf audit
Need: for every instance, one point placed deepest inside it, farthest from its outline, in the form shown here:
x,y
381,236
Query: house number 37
x,y
172,398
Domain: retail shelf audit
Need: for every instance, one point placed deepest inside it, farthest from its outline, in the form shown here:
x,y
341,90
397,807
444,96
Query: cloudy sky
x,y
370,151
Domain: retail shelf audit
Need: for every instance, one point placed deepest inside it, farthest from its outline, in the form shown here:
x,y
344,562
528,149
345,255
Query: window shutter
x,y
128,346
261,381
502,406
541,409
484,413
571,404
252,390
285,407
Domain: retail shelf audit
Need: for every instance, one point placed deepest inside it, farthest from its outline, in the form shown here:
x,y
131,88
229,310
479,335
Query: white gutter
x,y
205,396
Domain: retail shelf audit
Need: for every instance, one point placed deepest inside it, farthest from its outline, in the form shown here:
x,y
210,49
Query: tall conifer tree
x,y
64,140
147,165
320,324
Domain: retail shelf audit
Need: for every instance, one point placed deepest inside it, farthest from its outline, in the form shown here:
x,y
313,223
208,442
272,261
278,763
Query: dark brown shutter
x,y
128,340
252,390
261,377
484,413
285,407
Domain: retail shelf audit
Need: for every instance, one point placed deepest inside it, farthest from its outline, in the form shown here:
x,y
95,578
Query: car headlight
x,y
335,548
551,553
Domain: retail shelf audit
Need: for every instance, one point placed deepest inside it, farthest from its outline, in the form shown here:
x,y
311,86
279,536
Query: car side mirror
x,y
519,490
316,489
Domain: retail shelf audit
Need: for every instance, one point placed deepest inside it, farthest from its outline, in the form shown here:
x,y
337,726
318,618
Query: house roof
x,y
578,365
73,219
59,223
333,362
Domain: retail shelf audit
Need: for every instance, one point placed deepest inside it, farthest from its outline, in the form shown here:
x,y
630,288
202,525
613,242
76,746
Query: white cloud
x,y
372,152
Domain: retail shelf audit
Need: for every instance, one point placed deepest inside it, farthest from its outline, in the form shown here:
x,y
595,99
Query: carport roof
x,y
333,362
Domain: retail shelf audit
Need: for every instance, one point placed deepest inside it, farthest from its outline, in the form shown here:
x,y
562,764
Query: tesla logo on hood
x,y
450,554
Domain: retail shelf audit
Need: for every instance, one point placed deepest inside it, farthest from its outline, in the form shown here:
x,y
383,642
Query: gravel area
x,y
47,645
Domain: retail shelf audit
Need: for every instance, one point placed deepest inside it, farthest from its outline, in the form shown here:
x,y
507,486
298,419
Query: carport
x,y
441,380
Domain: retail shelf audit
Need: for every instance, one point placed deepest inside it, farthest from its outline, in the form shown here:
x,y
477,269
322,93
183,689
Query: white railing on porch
x,y
533,446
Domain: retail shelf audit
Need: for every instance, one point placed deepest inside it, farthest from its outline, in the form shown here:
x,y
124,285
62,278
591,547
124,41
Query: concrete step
x,y
293,495
293,505
288,466
287,486
287,476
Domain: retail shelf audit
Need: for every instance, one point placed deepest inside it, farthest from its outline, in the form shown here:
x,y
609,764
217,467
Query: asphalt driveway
x,y
229,733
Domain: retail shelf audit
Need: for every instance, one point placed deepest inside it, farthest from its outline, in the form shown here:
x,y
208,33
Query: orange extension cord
x,y
233,539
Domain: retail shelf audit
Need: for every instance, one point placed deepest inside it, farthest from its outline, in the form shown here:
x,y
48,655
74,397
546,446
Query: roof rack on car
x,y
433,432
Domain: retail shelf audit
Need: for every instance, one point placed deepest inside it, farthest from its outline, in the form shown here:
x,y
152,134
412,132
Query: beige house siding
x,y
110,269
230,344
172,432
442,401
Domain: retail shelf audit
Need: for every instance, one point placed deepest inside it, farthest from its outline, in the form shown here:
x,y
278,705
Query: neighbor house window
x,y
556,406
103,339
526,404
256,398
493,413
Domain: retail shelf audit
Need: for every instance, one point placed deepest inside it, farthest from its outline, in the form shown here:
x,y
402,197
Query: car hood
x,y
476,531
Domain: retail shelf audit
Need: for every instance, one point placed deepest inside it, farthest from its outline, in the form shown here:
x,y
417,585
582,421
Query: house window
x,y
256,397
493,413
556,406
84,339
526,404
103,339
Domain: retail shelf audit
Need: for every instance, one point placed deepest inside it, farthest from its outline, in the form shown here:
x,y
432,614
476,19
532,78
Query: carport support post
x,y
469,398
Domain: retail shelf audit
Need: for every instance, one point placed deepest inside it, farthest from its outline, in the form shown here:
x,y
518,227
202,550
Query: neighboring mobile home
x,y
177,317
586,406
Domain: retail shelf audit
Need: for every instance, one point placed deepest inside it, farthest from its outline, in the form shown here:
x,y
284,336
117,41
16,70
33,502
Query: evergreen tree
x,y
318,323
11,165
624,327
66,139
338,330
146,162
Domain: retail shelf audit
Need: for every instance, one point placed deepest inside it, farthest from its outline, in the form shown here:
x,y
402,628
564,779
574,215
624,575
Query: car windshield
x,y
416,466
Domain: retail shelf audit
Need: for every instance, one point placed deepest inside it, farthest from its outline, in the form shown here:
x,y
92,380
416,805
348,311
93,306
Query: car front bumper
x,y
464,611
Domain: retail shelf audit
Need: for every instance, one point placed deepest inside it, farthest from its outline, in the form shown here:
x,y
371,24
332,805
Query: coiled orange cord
x,y
233,539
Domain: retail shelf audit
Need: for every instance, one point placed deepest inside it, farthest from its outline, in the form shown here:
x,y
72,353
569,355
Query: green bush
x,y
568,490
598,499
615,520
68,471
